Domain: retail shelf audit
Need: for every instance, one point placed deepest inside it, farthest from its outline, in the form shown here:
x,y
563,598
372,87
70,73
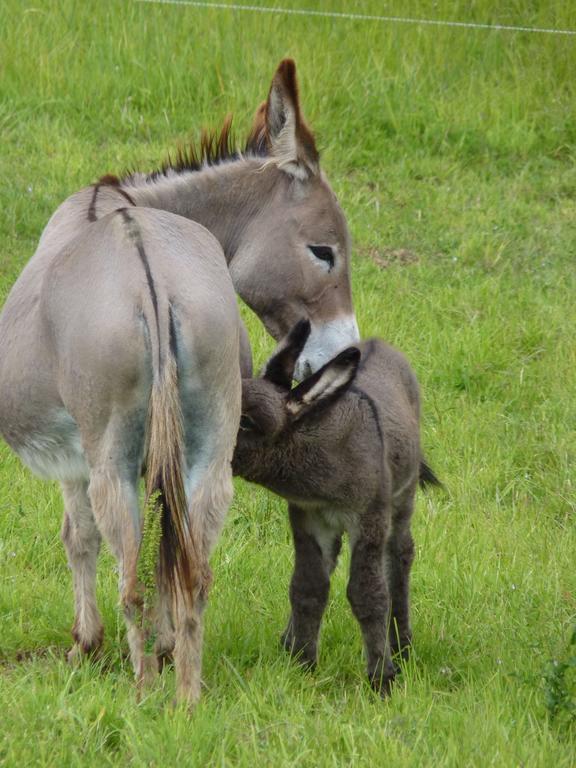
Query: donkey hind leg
x,y
369,599
81,539
165,637
316,549
400,555
209,493
114,497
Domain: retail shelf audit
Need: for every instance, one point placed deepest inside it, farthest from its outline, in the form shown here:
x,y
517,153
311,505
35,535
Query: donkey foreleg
x,y
369,598
81,539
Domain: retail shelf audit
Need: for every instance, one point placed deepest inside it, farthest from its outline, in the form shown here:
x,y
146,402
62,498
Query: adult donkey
x,y
119,351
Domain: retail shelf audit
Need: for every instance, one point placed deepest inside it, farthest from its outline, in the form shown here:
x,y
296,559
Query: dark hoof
x,y
382,680
307,663
302,655
287,640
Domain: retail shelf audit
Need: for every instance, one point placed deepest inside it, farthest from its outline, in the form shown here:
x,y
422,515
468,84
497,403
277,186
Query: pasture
x,y
453,154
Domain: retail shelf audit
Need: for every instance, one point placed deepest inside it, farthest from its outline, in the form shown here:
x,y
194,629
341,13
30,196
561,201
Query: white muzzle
x,y
324,342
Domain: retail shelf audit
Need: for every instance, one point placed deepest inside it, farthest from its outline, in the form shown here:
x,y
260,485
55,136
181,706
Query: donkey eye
x,y
323,252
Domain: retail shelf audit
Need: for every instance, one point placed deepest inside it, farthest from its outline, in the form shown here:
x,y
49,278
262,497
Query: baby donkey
x,y
343,448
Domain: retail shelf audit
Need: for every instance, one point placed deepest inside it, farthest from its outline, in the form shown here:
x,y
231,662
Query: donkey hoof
x,y
79,652
85,647
75,655
146,673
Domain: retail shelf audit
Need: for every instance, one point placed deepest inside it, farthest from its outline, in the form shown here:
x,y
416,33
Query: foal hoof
x,y
381,682
287,640
401,648
303,656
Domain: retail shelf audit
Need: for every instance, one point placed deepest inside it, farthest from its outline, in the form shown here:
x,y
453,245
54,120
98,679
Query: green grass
x,y
453,154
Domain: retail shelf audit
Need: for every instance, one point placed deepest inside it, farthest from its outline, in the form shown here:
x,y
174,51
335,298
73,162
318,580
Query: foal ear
x,y
290,141
327,384
280,368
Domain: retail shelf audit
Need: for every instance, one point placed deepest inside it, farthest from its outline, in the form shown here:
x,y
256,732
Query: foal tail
x,y
427,476
180,556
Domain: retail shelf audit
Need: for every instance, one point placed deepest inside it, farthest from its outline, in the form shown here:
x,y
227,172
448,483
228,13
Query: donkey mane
x,y
214,148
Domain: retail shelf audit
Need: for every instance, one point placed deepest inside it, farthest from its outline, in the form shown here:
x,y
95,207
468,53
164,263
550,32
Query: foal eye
x,y
323,252
247,424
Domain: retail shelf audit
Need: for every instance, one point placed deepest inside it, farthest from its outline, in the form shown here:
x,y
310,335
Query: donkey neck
x,y
223,198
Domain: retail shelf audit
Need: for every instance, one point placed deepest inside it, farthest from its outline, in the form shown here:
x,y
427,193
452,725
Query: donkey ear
x,y
331,381
290,141
257,138
280,368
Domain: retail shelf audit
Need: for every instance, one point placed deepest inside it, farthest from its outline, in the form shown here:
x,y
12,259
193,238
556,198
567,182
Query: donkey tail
x,y
180,556
427,476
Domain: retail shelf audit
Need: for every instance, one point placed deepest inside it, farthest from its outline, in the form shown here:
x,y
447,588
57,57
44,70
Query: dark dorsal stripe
x,y
106,181
367,352
136,237
375,412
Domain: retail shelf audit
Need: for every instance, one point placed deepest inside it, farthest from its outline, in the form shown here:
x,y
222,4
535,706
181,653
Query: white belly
x,y
56,452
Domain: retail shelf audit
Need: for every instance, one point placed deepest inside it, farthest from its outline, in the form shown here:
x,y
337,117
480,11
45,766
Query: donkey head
x,y
271,408
294,258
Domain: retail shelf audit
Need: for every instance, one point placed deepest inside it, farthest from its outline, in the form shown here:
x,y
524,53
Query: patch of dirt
x,y
386,257
32,654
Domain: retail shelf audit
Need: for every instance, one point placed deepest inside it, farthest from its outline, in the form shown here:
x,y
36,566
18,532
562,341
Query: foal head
x,y
278,421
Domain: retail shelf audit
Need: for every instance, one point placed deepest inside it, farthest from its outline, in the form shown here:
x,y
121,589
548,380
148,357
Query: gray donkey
x,y
119,349
343,448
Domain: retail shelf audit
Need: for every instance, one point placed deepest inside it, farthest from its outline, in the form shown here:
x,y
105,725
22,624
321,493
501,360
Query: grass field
x,y
453,153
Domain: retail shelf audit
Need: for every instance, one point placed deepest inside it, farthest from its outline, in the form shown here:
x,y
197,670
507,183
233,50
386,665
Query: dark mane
x,y
214,147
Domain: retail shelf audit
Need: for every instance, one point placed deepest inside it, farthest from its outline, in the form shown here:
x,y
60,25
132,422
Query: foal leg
x,y
368,595
316,550
400,555
81,539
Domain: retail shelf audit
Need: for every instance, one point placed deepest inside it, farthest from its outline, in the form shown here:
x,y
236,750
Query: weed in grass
x,y
560,686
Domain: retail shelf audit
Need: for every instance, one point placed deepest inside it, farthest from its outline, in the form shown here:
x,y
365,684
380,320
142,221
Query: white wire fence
x,y
362,17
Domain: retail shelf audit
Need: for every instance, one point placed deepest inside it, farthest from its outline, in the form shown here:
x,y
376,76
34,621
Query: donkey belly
x,y
55,451
33,419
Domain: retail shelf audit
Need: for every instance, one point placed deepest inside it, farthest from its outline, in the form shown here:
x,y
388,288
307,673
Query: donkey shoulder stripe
x,y
92,207
107,181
